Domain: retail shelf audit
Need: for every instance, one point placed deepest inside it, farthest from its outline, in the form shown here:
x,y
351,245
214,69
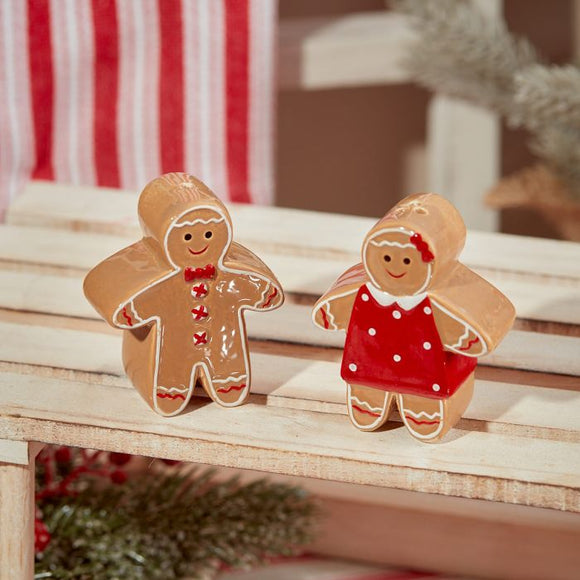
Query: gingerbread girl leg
x,y
430,419
368,408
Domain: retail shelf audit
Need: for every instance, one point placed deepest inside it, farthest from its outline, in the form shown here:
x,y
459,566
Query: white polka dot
x,y
427,310
365,297
436,387
397,357
396,314
352,367
427,345
372,331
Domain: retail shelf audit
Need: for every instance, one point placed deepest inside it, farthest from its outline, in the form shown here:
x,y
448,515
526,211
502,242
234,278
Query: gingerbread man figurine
x,y
416,320
180,293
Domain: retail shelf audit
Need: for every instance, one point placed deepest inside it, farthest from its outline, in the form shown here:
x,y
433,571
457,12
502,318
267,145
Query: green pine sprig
x,y
176,525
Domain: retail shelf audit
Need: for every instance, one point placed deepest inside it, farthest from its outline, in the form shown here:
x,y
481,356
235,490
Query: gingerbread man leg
x,y
173,388
368,408
427,419
228,383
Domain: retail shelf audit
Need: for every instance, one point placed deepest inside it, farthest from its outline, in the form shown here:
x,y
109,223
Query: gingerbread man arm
x,y
333,309
457,335
137,311
261,291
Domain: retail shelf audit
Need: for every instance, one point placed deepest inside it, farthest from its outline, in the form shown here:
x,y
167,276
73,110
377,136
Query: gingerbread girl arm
x,y
333,309
457,335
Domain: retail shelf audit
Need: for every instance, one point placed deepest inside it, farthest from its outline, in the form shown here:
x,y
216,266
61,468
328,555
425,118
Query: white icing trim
x,y
328,312
423,414
402,230
468,328
365,404
402,412
387,243
232,377
172,389
197,221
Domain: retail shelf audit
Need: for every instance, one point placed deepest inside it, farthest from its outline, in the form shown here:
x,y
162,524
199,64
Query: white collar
x,y
386,299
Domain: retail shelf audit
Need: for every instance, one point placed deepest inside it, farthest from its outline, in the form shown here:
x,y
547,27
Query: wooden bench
x,y
510,471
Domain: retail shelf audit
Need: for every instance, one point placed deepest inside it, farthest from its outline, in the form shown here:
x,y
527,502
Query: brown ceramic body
x,y
179,295
470,315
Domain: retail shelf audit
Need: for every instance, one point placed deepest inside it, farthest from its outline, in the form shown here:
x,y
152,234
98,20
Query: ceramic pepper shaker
x,y
180,293
416,319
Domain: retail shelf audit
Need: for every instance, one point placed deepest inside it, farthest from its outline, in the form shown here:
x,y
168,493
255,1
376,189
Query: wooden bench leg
x,y
17,519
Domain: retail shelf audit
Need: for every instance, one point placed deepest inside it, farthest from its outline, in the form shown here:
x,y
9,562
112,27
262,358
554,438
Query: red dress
x,y
399,350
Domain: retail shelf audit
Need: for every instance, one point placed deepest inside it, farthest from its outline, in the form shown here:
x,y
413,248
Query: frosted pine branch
x,y
547,96
460,52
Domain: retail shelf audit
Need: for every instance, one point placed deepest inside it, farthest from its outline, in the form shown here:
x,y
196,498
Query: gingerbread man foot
x,y
368,408
229,391
179,295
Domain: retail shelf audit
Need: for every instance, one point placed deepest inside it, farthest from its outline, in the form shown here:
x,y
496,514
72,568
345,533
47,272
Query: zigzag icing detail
x,y
365,405
423,414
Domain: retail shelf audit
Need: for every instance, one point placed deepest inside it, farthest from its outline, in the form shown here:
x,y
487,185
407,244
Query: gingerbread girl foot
x,y
179,295
416,319
429,420
368,408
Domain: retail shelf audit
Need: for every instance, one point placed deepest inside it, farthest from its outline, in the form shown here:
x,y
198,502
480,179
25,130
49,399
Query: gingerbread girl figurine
x,y
416,320
180,293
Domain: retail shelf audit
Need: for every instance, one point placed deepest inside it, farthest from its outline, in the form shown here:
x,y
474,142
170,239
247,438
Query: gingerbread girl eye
x,y
407,261
208,235
387,258
187,237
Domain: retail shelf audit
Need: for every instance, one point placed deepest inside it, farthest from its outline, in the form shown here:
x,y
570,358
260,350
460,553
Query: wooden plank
x,y
62,295
291,382
282,231
477,465
15,452
17,521
452,535
342,51
556,300
34,292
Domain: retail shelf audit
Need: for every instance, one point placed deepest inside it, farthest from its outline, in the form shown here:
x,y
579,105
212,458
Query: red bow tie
x,y
199,273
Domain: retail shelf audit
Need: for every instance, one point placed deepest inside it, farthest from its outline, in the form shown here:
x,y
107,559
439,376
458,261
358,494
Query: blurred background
x,y
358,145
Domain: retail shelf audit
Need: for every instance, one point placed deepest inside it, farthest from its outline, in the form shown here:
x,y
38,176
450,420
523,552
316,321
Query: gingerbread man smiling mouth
x,y
180,293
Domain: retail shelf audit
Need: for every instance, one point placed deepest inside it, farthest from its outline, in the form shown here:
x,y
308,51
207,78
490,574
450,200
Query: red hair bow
x,y
422,248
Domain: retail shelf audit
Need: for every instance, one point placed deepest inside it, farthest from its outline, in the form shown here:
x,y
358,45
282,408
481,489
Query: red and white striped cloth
x,y
116,92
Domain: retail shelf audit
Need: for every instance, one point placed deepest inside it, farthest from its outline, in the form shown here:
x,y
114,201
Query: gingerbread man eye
x,y
208,235
187,237
407,261
387,258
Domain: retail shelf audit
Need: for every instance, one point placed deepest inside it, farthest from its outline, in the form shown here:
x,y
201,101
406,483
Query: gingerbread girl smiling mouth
x,y
416,320
179,294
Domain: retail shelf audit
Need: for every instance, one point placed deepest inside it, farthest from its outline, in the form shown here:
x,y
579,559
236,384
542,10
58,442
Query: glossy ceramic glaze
x,y
416,320
179,294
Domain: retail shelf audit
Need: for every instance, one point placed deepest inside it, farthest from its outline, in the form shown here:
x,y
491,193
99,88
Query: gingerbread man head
x,y
183,216
413,244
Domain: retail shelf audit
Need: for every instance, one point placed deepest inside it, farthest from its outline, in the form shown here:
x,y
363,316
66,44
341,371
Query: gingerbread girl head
x,y
413,245
179,294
